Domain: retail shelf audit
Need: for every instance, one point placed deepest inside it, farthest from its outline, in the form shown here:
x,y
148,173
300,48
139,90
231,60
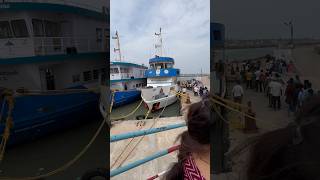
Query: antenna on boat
x,y
118,44
160,40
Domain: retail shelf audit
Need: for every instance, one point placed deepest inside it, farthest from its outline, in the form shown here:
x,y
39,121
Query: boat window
x,y
5,31
124,70
38,28
76,78
19,28
95,74
169,66
52,29
87,76
114,70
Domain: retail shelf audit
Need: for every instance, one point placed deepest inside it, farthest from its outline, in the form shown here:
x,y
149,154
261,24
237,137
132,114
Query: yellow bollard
x,y
188,101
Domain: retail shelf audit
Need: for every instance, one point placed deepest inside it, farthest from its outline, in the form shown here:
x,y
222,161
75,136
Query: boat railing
x,y
40,46
127,75
67,45
64,2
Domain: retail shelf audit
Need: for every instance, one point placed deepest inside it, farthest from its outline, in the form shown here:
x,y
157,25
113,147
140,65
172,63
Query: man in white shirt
x,y
276,92
237,93
195,90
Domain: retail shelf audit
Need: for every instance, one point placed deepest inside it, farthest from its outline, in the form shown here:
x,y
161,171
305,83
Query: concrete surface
x,y
149,144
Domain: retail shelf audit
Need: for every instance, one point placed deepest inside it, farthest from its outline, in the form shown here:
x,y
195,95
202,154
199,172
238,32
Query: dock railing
x,y
138,133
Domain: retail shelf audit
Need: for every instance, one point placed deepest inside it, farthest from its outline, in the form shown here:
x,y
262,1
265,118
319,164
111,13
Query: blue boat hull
x,y
125,97
39,115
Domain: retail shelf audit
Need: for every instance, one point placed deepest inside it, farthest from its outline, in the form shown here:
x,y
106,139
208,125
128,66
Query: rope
x,y
112,101
235,110
9,125
146,116
125,116
66,165
2,109
141,138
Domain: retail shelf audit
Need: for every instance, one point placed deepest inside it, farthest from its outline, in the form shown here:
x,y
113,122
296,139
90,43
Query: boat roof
x,y
161,59
51,7
121,63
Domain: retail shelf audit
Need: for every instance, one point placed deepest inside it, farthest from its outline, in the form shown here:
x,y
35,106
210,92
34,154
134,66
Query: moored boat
x,y
50,61
126,79
161,81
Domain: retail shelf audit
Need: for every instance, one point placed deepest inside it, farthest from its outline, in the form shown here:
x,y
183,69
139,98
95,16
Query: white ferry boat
x,y
48,47
161,80
126,79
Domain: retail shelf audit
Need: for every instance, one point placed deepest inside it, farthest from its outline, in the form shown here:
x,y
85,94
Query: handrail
x,y
142,161
133,134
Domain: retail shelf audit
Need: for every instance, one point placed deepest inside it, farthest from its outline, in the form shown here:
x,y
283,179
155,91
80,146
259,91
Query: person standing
x,y
237,93
289,93
195,90
257,82
249,79
276,92
297,80
201,91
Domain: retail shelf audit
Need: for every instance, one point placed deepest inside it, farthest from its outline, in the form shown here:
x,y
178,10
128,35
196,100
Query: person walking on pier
x,y
196,90
276,92
297,80
194,152
257,82
289,93
249,79
237,93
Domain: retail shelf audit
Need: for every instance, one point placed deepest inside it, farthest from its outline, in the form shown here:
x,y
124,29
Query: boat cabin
x,y
47,46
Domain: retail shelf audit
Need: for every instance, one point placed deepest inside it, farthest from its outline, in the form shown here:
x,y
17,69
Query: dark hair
x,y
290,153
193,140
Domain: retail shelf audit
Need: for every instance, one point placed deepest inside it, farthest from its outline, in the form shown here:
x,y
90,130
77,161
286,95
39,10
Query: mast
x,y
159,46
118,45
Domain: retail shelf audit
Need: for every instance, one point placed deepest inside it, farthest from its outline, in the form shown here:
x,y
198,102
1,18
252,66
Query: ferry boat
x,y
161,80
126,79
51,56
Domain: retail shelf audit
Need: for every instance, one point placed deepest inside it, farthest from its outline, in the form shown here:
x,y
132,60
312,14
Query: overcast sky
x,y
185,25
249,19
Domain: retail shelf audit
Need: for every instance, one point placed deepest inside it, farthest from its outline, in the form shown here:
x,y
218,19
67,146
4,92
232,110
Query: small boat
x,y
50,60
161,81
126,79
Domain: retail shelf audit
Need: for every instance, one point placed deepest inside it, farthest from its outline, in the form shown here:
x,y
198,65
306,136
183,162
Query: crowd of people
x,y
269,79
196,86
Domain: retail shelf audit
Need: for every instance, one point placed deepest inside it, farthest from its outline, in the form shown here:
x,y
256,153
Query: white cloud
x,y
185,25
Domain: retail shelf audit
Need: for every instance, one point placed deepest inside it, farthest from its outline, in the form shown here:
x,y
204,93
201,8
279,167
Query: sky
x,y
251,19
185,27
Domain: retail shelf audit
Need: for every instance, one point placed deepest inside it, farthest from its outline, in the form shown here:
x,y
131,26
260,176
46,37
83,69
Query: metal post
x,y
219,134
133,134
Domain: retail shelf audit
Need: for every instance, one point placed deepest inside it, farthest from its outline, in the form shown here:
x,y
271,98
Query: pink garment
x,y
191,171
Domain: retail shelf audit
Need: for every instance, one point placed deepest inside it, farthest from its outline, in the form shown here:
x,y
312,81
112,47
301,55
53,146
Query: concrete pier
x,y
141,147
306,62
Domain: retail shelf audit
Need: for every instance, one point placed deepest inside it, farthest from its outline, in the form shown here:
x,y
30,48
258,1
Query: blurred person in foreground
x,y
290,153
194,153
